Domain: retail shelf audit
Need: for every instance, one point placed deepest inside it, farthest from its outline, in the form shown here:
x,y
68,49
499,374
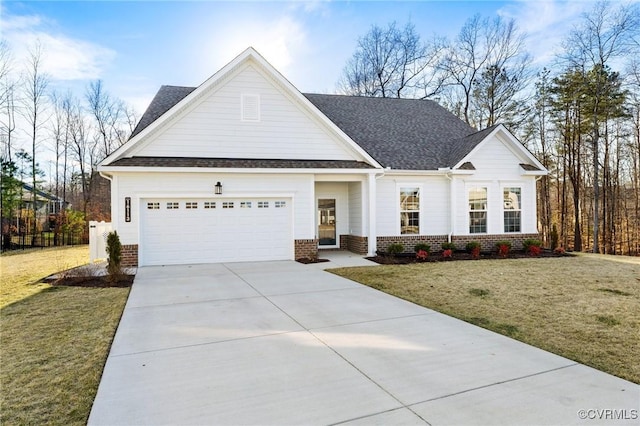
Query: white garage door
x,y
182,231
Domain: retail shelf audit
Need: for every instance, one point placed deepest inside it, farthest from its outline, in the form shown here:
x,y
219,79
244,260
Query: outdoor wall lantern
x,y
218,188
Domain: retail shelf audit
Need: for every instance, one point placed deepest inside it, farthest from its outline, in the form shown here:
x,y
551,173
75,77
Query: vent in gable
x,y
250,106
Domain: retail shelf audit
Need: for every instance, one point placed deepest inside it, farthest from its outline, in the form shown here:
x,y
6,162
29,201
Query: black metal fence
x,y
43,239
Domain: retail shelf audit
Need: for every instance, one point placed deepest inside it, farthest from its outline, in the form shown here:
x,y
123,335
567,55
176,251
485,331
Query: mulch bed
x,y
307,261
406,258
102,281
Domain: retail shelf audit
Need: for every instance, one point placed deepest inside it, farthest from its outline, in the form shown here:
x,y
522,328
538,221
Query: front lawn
x,y
54,342
23,270
586,308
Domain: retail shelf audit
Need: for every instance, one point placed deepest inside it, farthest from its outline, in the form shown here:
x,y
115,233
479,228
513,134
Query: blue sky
x,y
135,47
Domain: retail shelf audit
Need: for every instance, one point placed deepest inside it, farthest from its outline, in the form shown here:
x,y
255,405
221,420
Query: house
x,y
247,168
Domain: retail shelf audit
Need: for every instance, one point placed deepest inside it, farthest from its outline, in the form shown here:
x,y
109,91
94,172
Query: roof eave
x,y
246,170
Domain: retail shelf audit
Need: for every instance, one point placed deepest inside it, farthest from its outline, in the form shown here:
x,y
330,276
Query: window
x,y
263,204
512,203
153,206
280,204
410,210
209,204
191,205
477,210
227,205
245,204
172,206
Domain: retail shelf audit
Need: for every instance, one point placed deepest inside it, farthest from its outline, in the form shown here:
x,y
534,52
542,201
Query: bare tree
x,y
35,90
81,148
490,46
604,35
7,100
393,62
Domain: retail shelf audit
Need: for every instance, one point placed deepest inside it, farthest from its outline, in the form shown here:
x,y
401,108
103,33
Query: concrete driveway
x,y
279,343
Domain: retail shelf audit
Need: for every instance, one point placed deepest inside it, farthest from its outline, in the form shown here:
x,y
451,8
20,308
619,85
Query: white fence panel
x,y
98,232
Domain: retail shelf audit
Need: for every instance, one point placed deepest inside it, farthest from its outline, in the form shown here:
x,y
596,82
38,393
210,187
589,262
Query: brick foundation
x,y
130,255
409,242
354,243
488,241
306,249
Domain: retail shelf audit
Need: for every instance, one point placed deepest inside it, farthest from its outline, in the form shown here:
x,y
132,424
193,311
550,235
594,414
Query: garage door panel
x,y
202,235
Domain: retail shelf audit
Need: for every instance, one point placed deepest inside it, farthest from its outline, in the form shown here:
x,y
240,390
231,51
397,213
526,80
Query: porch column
x,y
371,208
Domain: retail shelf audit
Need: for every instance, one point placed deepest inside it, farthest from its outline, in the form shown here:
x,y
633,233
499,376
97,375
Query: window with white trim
x,y
512,204
478,210
191,205
245,204
227,205
410,210
280,204
173,206
263,204
209,204
153,206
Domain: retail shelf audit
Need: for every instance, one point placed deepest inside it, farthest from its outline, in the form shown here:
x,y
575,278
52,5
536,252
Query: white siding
x,y
213,126
434,199
181,185
355,209
496,167
339,191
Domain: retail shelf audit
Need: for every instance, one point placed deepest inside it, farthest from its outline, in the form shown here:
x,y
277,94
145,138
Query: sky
x,y
137,46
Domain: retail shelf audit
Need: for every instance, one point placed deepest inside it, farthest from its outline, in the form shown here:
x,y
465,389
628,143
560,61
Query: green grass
x,y
53,346
23,270
586,308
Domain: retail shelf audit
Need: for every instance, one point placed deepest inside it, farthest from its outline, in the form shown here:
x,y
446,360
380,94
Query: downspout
x,y
449,176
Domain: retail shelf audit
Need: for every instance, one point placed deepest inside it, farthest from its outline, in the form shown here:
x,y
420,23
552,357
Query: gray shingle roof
x,y
166,97
404,134
399,133
238,163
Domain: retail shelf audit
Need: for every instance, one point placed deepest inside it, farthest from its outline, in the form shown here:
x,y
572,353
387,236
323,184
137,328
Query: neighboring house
x,y
247,168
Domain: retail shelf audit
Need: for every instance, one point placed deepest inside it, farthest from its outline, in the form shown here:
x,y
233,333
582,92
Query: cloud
x,y
63,57
277,41
546,24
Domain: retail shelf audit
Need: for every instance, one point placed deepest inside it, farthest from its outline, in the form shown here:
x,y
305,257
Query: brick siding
x,y
409,241
130,255
306,249
488,242
355,243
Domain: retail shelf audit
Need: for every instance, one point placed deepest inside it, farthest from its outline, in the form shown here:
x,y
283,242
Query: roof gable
x,y
481,143
206,121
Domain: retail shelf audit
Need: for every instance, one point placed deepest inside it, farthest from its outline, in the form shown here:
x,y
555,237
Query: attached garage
x,y
197,230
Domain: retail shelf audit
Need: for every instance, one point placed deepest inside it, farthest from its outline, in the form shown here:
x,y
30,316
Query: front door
x,y
327,222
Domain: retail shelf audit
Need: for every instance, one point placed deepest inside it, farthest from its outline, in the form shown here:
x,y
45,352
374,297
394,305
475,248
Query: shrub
x,y
532,247
422,246
422,255
447,253
448,246
395,248
531,242
559,250
473,247
503,248
114,251
535,250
